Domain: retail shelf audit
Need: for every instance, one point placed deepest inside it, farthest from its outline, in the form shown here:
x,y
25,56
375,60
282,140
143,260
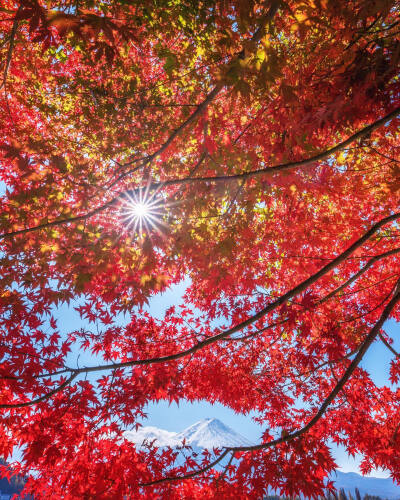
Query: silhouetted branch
x,y
301,287
322,409
222,178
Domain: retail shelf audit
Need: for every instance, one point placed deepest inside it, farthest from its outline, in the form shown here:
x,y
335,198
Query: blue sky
x,y
175,418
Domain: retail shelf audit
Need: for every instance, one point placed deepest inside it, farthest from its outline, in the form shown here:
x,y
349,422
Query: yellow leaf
x,y
300,17
145,278
341,159
49,247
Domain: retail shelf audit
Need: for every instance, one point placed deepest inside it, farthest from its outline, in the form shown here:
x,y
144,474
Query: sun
x,y
142,211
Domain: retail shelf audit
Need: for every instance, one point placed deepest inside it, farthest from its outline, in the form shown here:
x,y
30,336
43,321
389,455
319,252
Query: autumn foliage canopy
x,y
262,138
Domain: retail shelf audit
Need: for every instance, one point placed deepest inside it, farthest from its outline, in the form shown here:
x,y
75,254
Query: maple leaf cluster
x,y
268,134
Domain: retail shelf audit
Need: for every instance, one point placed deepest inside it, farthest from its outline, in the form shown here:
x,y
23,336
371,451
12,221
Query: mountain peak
x,y
208,433
211,433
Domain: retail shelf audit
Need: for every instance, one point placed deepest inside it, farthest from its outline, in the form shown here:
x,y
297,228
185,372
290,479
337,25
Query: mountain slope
x,y
212,433
384,488
209,433
149,434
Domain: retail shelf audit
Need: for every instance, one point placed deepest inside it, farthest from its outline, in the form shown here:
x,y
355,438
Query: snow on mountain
x,y
149,434
384,488
212,433
209,433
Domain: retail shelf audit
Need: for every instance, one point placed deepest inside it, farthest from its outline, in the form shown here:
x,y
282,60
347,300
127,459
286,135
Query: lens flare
x,y
142,211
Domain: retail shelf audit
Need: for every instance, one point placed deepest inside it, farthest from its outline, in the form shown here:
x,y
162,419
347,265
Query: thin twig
x,y
222,178
10,48
301,287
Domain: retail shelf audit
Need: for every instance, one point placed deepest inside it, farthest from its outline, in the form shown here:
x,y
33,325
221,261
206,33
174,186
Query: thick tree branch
x,y
222,178
365,268
290,165
226,333
301,287
370,263
374,332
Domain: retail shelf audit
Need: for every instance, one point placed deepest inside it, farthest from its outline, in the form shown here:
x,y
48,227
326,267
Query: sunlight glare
x,y
143,211
140,209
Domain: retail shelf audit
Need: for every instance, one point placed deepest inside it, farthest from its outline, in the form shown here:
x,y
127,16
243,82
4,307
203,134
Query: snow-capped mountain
x,y
149,434
212,433
209,433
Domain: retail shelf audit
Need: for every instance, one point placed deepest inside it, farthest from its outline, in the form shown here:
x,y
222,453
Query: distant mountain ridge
x,y
212,433
382,487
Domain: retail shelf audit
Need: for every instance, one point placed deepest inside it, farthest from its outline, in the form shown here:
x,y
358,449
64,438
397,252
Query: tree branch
x,y
44,397
10,48
290,165
222,178
374,332
365,268
391,349
210,340
267,309
210,97
189,475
